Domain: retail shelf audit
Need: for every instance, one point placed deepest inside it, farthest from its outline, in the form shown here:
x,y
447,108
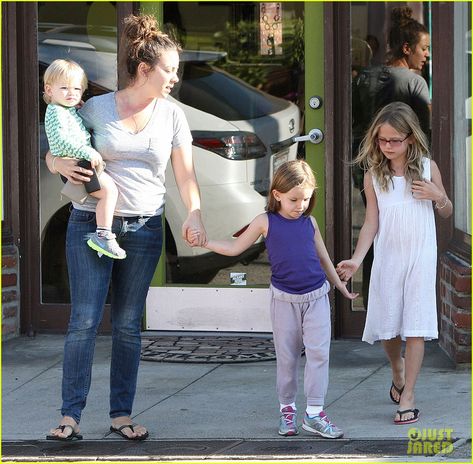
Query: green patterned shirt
x,y
67,135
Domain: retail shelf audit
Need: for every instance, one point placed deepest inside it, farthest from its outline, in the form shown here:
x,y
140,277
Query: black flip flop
x,y
73,436
118,431
416,413
398,390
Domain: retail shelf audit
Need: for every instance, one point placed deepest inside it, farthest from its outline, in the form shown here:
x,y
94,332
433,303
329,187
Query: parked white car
x,y
240,137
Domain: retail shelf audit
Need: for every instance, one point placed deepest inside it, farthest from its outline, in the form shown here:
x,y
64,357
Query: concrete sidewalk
x,y
211,403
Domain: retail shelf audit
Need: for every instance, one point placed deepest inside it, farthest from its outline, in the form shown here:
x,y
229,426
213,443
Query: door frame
x,y
21,221
20,39
348,323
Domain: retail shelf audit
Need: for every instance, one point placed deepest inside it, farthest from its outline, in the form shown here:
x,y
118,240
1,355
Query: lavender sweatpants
x,y
301,320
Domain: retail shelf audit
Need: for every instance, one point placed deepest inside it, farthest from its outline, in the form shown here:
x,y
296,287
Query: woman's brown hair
x,y
404,30
143,42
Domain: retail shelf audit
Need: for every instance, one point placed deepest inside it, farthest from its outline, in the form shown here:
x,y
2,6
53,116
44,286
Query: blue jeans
x,y
89,278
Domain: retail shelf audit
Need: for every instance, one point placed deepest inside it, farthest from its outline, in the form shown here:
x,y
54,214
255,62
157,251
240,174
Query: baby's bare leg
x,y
107,199
104,241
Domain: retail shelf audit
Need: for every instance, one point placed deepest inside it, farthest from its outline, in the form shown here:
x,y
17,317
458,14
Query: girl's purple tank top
x,y
295,265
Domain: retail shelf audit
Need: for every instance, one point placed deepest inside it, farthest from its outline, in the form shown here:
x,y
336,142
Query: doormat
x,y
207,349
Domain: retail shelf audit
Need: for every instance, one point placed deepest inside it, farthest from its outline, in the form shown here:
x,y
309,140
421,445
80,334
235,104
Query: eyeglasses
x,y
395,143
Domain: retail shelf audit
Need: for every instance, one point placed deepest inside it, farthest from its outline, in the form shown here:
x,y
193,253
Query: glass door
x,y
243,87
85,32
370,25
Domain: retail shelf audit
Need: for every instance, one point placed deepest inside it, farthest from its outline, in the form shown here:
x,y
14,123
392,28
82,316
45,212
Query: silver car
x,y
240,136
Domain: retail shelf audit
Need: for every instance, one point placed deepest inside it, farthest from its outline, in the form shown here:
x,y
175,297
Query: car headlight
x,y
231,145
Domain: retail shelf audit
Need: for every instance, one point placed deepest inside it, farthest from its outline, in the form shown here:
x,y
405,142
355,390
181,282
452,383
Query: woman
x,y
409,50
136,131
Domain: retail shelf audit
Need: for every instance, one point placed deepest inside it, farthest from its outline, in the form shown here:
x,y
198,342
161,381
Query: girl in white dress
x,y
403,186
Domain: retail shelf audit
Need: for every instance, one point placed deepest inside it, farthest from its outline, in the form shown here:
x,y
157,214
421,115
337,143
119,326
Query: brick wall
x,y
10,292
455,317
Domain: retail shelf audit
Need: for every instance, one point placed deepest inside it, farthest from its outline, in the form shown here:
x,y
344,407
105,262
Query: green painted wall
x,y
159,278
314,85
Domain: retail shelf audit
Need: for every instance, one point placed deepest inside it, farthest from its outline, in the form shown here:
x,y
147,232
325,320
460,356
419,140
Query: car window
x,y
214,91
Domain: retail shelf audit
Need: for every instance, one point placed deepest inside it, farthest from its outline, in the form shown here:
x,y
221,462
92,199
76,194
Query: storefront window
x,y
462,116
235,93
86,33
242,71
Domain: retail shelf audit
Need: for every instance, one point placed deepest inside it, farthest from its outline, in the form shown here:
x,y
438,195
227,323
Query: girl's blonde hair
x,y
143,42
402,118
296,173
63,69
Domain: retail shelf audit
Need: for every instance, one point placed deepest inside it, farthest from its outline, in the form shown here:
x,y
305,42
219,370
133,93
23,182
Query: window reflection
x,y
237,83
229,92
86,33
462,116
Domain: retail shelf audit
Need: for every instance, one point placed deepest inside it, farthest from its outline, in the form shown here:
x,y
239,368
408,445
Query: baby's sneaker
x,y
106,245
321,425
288,422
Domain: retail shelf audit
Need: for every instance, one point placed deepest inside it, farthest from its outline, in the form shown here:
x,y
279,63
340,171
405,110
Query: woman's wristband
x,y
444,203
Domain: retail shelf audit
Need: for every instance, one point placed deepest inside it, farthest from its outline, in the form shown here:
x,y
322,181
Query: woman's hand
x,y
68,168
193,230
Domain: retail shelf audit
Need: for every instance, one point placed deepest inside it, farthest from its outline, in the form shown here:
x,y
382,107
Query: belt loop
x,y
124,225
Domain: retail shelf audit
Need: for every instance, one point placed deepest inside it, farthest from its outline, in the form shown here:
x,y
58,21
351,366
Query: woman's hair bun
x,y
143,42
138,28
401,15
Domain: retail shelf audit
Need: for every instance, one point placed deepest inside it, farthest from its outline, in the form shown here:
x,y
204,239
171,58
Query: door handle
x,y
314,136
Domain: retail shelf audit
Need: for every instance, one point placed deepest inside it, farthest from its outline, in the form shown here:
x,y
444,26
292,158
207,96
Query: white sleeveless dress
x,y
402,299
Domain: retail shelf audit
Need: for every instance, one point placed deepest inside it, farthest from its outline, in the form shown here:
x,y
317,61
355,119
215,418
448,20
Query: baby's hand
x,y
96,160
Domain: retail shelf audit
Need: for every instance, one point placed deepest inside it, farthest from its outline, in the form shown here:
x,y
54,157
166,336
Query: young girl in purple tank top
x,y
300,310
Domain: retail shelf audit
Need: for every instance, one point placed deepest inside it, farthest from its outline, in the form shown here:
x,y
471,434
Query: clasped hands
x,y
68,168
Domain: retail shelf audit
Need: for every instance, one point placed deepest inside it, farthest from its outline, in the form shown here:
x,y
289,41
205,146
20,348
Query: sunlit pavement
x,y
212,411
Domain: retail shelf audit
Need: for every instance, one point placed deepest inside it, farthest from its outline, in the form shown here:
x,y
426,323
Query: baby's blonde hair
x,y
402,118
296,173
63,69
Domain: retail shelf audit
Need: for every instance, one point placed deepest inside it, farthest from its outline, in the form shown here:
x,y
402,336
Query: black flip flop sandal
x,y
416,413
73,436
398,390
119,431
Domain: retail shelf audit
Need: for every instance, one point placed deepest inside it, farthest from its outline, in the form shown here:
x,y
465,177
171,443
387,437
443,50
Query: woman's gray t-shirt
x,y
136,162
410,88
